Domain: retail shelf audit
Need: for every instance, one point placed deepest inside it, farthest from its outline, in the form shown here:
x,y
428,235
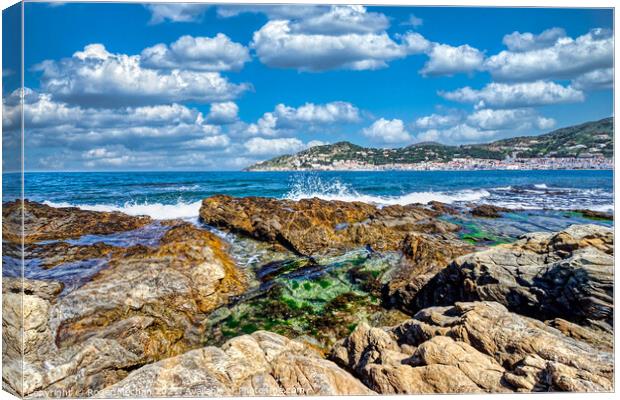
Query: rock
x,y
442,208
566,275
488,211
597,334
424,256
173,286
471,347
42,222
315,226
149,304
597,215
260,364
56,253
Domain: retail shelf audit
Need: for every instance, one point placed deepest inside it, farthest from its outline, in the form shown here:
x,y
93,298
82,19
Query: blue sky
x,y
130,86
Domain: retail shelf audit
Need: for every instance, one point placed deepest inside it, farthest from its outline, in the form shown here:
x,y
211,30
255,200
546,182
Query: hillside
x,y
588,140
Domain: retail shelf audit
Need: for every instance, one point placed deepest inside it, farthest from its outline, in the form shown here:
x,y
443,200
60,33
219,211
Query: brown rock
x,y
260,364
488,211
43,222
424,256
470,347
315,226
56,253
596,215
566,275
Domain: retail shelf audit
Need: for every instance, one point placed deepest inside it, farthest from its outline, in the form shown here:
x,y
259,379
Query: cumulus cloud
x,y
517,41
437,121
178,12
309,116
339,20
458,134
95,76
516,119
449,60
387,131
529,94
218,53
223,113
595,80
565,59
264,147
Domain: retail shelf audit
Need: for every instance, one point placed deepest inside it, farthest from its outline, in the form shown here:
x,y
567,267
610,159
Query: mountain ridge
x,y
593,139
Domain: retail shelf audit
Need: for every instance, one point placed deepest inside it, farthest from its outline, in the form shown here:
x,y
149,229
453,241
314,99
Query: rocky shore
x,y
311,297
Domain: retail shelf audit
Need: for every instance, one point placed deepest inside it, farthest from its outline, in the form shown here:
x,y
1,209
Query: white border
x,y
479,3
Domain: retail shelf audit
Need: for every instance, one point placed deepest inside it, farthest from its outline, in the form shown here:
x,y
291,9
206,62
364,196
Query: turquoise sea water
x,y
178,194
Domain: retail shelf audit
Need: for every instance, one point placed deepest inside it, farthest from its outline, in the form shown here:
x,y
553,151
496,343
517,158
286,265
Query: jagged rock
x,y
488,211
56,253
147,305
597,334
424,256
565,275
188,275
471,347
260,364
315,226
42,222
442,208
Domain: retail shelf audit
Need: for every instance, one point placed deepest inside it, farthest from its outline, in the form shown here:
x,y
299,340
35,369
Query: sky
x,y
197,87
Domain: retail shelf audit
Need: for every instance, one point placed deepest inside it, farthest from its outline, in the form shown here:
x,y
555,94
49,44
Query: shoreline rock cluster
x,y
403,305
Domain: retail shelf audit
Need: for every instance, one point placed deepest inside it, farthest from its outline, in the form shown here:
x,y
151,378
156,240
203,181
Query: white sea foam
x,y
541,186
181,209
336,190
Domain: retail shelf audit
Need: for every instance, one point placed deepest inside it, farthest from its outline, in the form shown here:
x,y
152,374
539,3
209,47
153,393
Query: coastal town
x,y
457,164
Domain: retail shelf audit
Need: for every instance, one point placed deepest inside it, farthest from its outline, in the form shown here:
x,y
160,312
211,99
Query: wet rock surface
x,y
314,226
42,222
566,275
488,211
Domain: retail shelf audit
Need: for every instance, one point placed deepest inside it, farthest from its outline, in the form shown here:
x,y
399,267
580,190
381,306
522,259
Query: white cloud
x,y
176,12
387,131
515,119
501,95
341,20
461,133
96,77
595,80
223,113
565,59
273,11
309,116
437,121
413,21
217,141
449,60
517,41
264,147
197,53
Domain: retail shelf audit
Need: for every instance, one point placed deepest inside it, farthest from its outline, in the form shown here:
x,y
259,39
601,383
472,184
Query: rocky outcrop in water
x,y
42,222
260,364
488,211
315,226
566,275
473,347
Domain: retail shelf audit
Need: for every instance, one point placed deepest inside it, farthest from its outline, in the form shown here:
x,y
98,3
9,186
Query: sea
x,y
167,195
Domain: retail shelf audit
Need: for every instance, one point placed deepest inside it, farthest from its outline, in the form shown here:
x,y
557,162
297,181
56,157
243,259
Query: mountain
x,y
588,140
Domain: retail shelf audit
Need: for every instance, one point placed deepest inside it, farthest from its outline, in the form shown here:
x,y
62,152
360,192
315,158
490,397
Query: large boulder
x,y
473,347
260,364
42,222
315,226
424,255
566,275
